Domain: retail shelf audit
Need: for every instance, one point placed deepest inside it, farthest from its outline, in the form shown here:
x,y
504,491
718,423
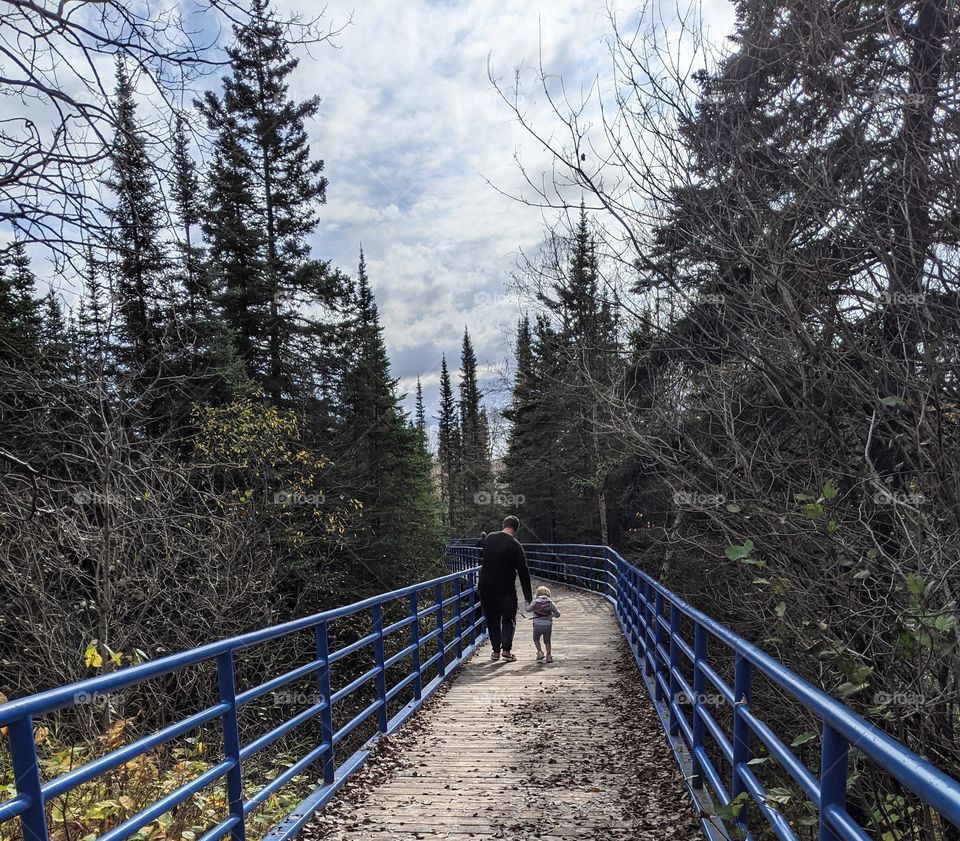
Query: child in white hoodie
x,y
544,610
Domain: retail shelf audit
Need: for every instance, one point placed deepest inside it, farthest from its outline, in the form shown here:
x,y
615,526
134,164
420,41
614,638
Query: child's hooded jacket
x,y
544,610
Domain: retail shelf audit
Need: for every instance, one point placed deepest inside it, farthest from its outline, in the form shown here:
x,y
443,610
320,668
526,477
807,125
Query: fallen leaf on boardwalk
x,y
575,743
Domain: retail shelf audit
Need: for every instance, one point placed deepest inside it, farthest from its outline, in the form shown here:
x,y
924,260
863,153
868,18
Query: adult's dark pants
x,y
500,611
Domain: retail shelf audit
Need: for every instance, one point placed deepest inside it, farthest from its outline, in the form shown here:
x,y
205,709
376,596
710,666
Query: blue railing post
x,y
658,638
620,600
649,630
630,596
26,772
674,667
231,743
441,660
381,678
474,630
613,566
741,730
415,642
627,597
326,714
699,692
608,568
833,779
458,592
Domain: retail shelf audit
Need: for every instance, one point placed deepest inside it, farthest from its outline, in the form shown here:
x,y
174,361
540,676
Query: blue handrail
x,y
452,641
650,617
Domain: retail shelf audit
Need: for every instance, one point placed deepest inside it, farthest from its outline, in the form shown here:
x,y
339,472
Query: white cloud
x,y
411,128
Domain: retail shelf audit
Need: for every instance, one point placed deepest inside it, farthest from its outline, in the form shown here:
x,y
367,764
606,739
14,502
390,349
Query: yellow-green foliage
x,y
92,808
251,435
267,445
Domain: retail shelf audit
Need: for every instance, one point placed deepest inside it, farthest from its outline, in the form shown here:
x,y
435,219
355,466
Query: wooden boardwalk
x,y
570,749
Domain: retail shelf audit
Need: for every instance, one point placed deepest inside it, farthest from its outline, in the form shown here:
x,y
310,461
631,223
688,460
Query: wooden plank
x,y
569,749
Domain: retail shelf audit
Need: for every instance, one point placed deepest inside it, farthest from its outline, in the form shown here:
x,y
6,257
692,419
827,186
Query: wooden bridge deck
x,y
570,749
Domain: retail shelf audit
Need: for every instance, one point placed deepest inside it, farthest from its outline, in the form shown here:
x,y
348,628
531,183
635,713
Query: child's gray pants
x,y
542,630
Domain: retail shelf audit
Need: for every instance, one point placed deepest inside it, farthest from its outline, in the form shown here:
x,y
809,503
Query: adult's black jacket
x,y
503,561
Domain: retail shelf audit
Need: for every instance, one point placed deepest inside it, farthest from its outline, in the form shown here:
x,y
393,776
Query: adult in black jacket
x,y
503,560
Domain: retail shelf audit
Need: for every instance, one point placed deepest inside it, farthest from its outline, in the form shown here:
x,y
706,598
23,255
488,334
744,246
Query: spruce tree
x,y
368,389
138,253
476,476
448,450
531,470
203,358
269,184
381,454
93,319
20,316
55,339
31,347
420,419
577,348
518,413
186,196
233,232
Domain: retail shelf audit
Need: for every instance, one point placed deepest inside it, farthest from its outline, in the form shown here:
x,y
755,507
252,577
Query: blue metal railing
x,y
442,649
652,618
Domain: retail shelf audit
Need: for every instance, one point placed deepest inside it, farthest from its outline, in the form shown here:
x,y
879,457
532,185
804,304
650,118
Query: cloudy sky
x,y
412,131
420,150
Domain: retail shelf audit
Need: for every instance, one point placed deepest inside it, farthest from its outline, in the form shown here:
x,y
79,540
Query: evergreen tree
x,y
382,457
448,449
234,235
420,420
20,311
583,344
476,475
558,457
202,359
92,321
368,390
138,253
519,444
266,180
33,350
530,469
186,196
55,338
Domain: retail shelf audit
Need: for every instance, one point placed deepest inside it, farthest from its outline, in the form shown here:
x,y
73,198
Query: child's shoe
x,y
540,655
548,659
